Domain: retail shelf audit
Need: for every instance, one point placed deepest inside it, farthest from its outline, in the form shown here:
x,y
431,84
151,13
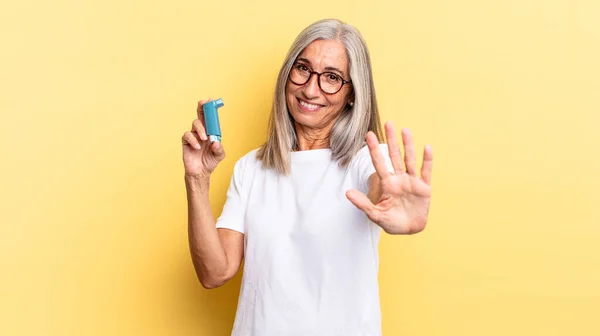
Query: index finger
x,y
376,156
200,109
393,148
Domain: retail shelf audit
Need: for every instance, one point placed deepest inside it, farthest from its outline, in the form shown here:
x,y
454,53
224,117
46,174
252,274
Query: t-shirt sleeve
x,y
233,214
364,164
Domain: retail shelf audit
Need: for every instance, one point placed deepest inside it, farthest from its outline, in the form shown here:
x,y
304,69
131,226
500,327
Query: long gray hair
x,y
348,133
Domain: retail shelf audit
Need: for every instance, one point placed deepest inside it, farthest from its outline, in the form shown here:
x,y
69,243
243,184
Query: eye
x,y
332,78
301,67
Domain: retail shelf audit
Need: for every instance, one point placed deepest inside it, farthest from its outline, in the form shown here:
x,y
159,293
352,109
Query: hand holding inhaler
x,y
202,148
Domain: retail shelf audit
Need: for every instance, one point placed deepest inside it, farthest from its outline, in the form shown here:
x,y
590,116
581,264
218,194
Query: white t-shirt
x,y
311,257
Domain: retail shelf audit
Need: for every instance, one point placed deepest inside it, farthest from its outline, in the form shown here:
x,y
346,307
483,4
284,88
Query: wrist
x,y
197,181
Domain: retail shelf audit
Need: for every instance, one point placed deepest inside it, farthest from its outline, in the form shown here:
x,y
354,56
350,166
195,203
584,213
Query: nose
x,y
311,89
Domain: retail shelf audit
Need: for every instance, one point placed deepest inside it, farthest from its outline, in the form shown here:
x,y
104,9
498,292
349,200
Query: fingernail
x,y
197,146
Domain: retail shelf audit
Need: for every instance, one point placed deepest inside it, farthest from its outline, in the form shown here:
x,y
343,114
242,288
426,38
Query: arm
x,y
216,253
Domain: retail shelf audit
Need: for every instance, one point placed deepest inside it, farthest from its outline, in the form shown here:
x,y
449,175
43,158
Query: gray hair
x,y
348,133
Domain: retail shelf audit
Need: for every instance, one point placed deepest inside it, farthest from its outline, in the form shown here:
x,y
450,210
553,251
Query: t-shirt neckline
x,y
312,154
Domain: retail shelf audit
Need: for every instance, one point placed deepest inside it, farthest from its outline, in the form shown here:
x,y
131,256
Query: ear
x,y
350,98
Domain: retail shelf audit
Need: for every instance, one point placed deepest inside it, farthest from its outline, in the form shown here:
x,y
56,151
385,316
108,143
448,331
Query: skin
x,y
398,202
314,127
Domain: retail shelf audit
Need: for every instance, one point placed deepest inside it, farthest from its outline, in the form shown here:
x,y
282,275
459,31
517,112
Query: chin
x,y
305,120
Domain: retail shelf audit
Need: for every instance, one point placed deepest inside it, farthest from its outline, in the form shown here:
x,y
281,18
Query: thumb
x,y
218,151
362,202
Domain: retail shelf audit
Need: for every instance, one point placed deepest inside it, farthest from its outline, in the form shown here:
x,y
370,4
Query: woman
x,y
306,209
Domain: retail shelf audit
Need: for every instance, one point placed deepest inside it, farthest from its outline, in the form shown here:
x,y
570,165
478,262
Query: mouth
x,y
308,107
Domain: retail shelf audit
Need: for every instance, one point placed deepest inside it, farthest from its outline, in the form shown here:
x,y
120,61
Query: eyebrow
x,y
326,68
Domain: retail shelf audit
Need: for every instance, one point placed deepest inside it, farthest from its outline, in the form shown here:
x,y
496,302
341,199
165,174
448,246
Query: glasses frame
x,y
311,73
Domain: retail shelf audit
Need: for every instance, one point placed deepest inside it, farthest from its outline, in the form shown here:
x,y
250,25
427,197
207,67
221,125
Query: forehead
x,y
326,53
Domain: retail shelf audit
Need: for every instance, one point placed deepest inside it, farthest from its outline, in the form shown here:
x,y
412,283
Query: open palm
x,y
399,201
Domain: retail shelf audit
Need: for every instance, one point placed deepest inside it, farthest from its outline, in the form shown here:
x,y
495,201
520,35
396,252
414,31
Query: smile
x,y
308,106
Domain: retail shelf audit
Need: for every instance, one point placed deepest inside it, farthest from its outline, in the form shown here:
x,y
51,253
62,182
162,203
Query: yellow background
x,y
95,96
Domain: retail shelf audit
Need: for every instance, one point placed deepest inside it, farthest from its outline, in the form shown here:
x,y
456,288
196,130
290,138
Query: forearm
x,y
208,254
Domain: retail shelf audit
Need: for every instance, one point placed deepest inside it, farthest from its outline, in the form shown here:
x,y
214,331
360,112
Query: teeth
x,y
309,106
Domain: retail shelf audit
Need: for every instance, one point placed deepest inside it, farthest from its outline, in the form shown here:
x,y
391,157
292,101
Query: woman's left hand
x,y
399,201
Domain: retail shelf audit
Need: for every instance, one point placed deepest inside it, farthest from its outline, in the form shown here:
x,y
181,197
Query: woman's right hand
x,y
200,157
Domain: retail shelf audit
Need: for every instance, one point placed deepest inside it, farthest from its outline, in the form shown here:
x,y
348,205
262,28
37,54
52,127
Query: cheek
x,y
289,92
343,98
336,102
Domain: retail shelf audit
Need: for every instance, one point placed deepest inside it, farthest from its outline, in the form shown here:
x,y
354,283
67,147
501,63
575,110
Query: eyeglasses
x,y
329,82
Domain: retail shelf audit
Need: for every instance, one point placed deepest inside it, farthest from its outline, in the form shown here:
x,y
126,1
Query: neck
x,y
313,138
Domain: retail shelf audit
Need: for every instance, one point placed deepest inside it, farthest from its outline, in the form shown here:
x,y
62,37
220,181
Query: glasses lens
x,y
299,74
330,82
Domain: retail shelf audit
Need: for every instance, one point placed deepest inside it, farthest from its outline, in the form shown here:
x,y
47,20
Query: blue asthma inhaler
x,y
211,119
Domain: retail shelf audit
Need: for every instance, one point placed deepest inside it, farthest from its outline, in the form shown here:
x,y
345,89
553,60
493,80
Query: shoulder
x,y
249,157
362,164
364,153
246,163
